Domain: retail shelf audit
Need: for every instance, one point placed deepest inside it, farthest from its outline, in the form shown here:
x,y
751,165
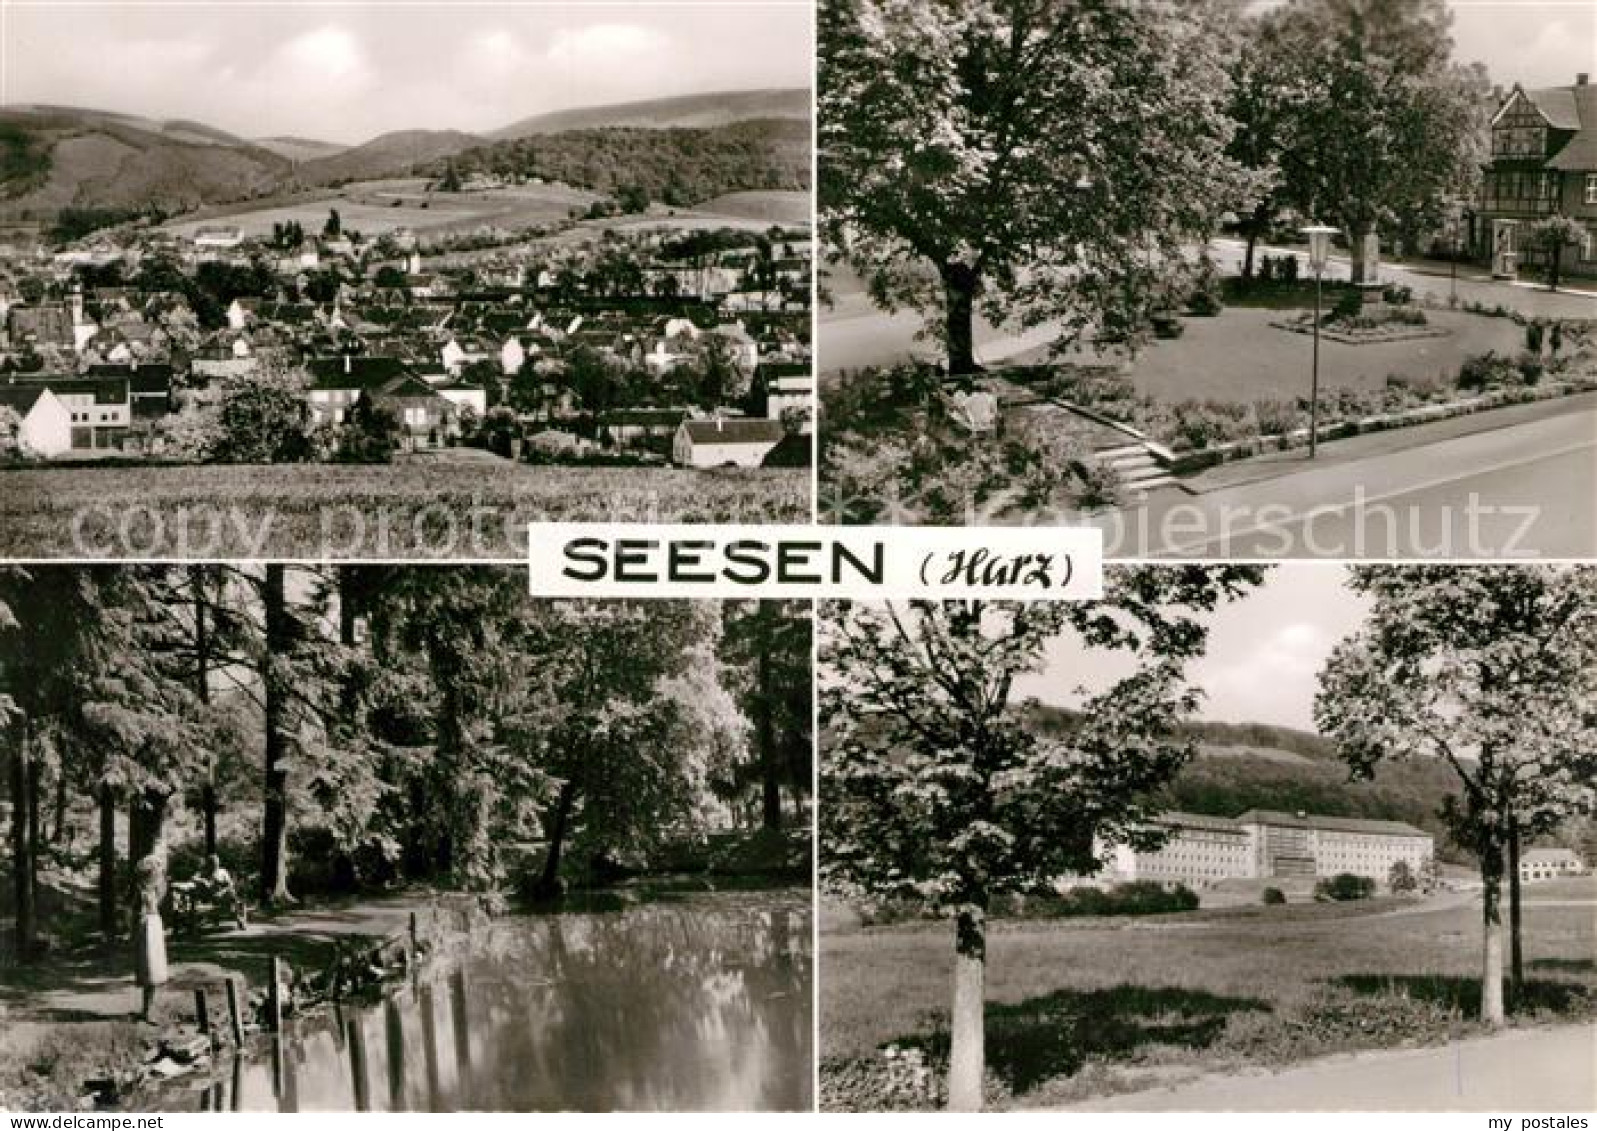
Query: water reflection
x,y
700,1004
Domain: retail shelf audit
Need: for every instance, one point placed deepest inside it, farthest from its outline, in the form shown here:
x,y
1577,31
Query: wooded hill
x,y
1242,766
679,167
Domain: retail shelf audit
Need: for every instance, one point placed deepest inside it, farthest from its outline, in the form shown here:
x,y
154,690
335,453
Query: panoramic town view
x,y
564,275
1230,839
400,838
1308,278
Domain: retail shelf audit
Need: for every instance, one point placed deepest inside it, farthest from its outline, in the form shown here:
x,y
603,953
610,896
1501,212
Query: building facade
x,y
1267,844
1549,864
1543,163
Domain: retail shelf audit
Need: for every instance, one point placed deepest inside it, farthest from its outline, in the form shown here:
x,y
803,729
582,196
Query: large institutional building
x,y
1263,843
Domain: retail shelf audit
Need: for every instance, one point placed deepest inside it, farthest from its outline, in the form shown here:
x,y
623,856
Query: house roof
x,y
106,390
1580,154
645,417
20,398
354,371
1201,821
734,431
1330,824
141,378
1557,105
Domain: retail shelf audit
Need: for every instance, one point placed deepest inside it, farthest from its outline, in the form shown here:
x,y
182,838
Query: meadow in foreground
x,y
418,508
1083,1008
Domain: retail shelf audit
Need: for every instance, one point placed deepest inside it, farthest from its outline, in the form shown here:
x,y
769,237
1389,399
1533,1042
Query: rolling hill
x,y
56,158
683,150
299,148
693,111
388,154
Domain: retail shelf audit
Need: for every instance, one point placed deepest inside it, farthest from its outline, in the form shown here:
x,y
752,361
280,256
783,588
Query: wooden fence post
x,y
202,1009
274,997
234,1016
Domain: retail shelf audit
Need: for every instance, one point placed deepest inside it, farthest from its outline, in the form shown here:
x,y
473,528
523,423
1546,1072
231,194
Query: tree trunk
x,y
274,824
967,1065
1516,963
35,832
107,878
765,732
202,688
1553,263
1366,269
146,822
548,885
1247,254
1492,949
22,862
959,302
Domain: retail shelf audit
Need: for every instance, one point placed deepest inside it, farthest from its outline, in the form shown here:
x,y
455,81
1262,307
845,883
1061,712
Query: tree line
x,y
354,727
675,166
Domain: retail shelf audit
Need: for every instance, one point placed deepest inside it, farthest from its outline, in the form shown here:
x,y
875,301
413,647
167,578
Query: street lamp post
x,y
1319,252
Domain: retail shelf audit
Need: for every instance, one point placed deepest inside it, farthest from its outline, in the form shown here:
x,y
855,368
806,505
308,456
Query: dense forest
x,y
675,166
356,728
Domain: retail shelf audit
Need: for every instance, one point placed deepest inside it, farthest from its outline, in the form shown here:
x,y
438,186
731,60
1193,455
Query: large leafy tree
x,y
1550,236
932,786
1492,669
1034,160
767,646
1369,122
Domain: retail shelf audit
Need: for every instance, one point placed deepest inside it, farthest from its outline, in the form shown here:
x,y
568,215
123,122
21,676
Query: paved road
x,y
1544,1071
1523,489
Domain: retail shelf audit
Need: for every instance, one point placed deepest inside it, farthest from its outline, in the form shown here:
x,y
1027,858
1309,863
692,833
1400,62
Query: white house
x,y
1548,864
512,356
218,236
719,442
46,428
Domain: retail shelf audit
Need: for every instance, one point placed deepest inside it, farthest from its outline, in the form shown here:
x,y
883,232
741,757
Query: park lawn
x,y
1083,1008
421,507
1239,357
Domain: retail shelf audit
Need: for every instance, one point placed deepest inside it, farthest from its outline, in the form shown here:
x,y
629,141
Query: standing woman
x,y
149,937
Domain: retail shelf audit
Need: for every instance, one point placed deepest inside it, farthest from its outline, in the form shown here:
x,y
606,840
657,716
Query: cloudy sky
x,y
1531,42
347,72
1265,652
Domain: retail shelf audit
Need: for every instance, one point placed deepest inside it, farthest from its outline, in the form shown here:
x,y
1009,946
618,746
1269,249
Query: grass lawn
x,y
439,507
1239,357
1082,1008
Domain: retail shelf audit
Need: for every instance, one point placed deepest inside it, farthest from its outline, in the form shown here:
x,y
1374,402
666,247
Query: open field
x,y
375,207
1084,1008
422,507
776,206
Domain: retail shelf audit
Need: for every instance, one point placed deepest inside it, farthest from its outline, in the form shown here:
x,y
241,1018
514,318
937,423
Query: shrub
x,y
1396,294
1166,324
1401,879
1273,896
1486,370
1534,333
1344,887
1349,304
1530,368
1277,417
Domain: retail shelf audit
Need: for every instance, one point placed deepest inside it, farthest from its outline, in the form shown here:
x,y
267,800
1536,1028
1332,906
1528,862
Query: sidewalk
x,y
1331,453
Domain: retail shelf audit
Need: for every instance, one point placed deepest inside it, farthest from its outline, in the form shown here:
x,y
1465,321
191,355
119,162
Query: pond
x,y
694,1003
